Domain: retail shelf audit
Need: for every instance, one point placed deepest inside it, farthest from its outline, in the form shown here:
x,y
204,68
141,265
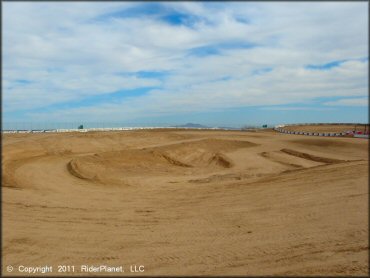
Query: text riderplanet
x,y
106,268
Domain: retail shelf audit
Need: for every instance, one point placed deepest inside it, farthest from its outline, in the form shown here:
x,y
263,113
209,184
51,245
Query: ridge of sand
x,y
312,157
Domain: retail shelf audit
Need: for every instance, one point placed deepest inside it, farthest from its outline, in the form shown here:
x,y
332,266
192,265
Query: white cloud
x,y
68,54
349,102
298,108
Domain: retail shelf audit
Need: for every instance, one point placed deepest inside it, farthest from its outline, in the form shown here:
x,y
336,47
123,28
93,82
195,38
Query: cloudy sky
x,y
166,62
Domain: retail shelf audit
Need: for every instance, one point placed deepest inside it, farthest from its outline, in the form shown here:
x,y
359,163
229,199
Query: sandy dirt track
x,y
186,202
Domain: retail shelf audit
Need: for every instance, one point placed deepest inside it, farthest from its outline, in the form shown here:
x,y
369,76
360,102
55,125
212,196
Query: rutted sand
x,y
187,202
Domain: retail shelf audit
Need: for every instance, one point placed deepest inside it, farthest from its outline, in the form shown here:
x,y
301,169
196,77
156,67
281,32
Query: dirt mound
x,y
74,167
220,160
272,157
312,157
121,163
171,160
205,152
155,162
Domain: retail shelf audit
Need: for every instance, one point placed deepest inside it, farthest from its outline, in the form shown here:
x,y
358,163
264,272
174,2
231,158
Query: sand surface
x,y
186,202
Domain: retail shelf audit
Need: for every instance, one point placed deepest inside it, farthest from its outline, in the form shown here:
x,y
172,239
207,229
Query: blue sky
x,y
214,63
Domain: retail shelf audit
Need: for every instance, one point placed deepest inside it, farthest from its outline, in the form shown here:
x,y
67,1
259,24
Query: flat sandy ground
x,y
186,202
327,128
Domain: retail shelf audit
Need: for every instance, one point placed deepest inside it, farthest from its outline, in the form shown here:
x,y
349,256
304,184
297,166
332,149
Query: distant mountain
x,y
191,125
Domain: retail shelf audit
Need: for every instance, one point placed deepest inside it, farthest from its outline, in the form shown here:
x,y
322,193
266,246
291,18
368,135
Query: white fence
x,y
280,128
104,129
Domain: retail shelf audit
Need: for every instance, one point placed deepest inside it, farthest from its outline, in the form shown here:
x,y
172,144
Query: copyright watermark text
x,y
75,269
